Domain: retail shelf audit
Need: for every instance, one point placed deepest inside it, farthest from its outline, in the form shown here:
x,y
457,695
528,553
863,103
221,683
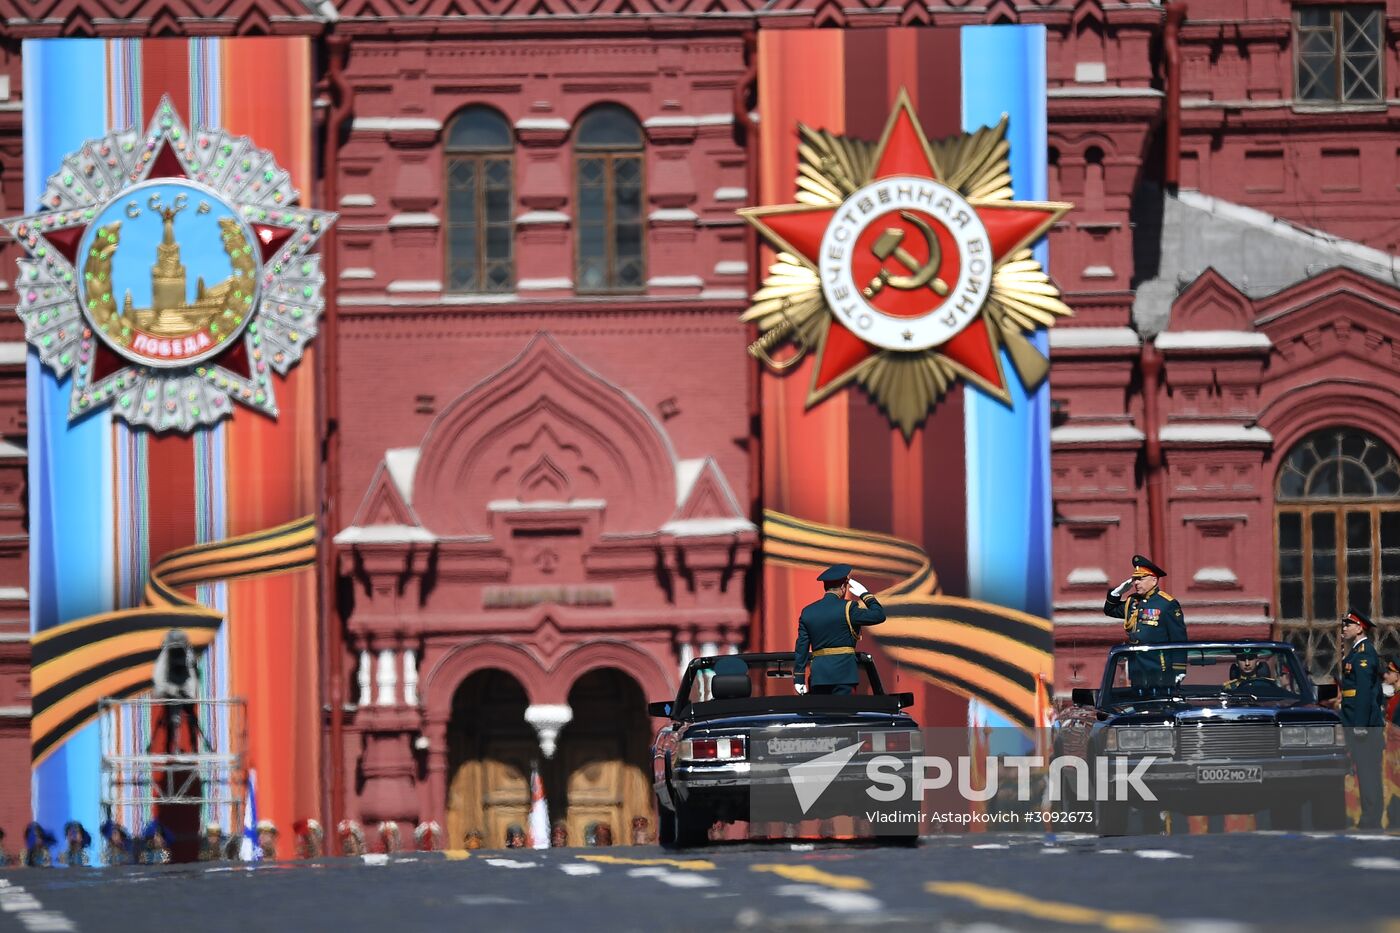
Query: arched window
x,y
1337,519
608,170
480,202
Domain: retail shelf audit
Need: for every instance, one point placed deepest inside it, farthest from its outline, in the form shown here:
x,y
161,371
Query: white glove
x,y
1180,678
856,588
1122,588
801,689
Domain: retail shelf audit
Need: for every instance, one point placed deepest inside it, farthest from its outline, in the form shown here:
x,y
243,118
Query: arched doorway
x,y
489,748
1337,535
604,759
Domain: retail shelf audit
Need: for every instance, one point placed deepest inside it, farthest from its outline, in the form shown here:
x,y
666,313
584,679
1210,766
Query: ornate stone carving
x,y
570,438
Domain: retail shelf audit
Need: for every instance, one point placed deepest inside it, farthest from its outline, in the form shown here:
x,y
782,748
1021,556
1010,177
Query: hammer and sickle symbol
x,y
888,245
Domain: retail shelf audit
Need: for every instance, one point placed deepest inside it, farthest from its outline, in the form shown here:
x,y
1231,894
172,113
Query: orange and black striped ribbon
x,y
976,649
111,656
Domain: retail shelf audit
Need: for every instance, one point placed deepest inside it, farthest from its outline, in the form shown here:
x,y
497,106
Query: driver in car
x,y
1250,670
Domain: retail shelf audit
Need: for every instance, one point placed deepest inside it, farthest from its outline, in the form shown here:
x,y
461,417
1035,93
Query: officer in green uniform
x,y
1362,678
1150,617
827,632
1250,670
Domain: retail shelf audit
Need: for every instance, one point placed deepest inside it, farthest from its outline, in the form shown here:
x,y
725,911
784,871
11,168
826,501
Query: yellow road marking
x,y
689,864
1012,902
811,874
456,855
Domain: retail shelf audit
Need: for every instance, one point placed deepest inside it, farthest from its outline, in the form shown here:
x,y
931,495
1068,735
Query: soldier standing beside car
x,y
1361,714
1150,617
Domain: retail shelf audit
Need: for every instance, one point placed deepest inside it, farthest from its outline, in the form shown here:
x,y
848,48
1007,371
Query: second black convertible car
x,y
736,729
1240,732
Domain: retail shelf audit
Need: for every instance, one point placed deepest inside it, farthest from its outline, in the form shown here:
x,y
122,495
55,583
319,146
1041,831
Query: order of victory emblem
x,y
905,266
170,274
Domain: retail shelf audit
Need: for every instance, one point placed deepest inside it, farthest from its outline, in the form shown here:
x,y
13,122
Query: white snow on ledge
x,y
391,124
384,534
1075,338
1087,576
703,527
1213,340
1214,434
1095,434
1215,575
545,505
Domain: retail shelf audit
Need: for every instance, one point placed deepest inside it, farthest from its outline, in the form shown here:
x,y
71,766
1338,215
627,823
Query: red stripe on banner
x,y
940,465
170,464
870,456
272,473
165,69
805,459
868,103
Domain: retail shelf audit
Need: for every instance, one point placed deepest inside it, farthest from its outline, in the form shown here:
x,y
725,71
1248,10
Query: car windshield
x,y
766,678
1211,673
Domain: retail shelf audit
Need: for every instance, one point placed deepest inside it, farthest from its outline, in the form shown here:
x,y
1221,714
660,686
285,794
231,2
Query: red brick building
x,y
544,451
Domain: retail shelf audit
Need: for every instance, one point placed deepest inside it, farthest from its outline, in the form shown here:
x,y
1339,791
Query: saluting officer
x,y
828,630
1150,617
1362,678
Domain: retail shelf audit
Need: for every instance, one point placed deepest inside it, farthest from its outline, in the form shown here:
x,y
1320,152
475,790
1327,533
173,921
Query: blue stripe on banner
x,y
1008,449
211,500
71,545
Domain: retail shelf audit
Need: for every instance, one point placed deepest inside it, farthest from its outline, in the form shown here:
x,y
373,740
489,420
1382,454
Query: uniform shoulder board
x,y
1167,596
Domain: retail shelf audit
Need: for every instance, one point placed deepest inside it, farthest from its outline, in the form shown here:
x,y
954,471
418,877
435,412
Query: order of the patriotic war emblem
x,y
169,274
905,266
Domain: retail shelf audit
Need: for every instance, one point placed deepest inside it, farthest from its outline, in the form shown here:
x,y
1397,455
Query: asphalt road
x,y
977,883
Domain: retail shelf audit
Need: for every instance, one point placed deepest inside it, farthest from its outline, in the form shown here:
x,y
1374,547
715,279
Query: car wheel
x,y
1110,816
1329,805
907,842
689,827
665,825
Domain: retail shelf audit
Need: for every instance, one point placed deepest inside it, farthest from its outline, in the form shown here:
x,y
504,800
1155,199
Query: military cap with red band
x,y
1359,619
1142,567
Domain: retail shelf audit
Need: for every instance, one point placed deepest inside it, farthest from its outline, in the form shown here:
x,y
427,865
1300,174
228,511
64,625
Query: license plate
x,y
801,746
1230,774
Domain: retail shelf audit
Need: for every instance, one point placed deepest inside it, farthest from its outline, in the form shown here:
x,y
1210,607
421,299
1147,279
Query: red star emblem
x,y
922,268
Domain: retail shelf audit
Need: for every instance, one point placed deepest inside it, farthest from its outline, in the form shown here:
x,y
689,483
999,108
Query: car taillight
x,y
730,749
879,742
896,741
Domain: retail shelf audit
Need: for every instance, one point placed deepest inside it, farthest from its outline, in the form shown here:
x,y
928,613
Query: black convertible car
x,y
736,729
1240,732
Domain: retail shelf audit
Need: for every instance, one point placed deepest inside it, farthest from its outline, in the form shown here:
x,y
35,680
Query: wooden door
x,y
603,759
490,747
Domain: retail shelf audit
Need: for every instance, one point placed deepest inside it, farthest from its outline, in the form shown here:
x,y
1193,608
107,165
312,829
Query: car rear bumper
x,y
730,790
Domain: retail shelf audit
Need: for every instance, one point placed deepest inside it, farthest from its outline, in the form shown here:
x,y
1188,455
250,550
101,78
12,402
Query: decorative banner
x,y
970,484
106,291
108,494
976,649
906,266
77,664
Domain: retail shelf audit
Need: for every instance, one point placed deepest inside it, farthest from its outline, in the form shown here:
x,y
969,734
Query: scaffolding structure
x,y
137,777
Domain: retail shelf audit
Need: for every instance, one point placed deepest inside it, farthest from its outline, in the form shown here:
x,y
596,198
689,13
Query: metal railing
x,y
143,766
